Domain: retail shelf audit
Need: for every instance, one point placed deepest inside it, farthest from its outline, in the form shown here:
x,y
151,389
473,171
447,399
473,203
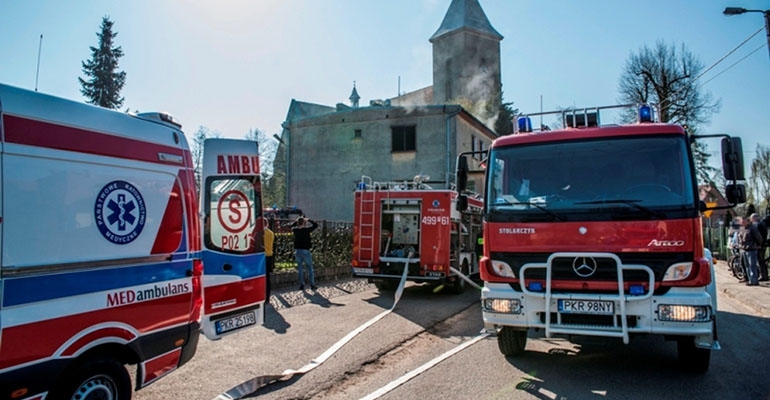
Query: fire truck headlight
x,y
678,272
502,269
683,313
502,306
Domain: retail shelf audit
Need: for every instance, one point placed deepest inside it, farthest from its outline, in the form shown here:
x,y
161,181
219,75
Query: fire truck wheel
x,y
511,341
692,358
458,286
98,379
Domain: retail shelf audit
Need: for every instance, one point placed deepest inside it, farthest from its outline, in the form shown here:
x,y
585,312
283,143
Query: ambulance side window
x,y
233,208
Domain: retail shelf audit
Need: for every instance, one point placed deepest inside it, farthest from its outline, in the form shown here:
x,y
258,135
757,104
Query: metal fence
x,y
715,239
332,244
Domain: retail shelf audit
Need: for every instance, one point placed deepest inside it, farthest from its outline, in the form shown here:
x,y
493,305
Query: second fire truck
x,y
398,224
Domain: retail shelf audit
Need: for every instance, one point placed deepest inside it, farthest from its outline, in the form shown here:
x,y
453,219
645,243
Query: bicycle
x,y
736,265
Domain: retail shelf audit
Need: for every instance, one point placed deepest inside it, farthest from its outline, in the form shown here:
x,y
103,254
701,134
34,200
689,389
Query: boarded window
x,y
403,138
357,134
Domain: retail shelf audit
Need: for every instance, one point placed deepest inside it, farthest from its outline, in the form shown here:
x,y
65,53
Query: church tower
x,y
466,61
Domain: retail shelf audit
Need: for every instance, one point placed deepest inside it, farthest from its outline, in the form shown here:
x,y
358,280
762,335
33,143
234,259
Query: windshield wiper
x,y
536,205
628,202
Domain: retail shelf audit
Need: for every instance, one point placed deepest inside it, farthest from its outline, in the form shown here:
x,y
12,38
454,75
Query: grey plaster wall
x,y
327,159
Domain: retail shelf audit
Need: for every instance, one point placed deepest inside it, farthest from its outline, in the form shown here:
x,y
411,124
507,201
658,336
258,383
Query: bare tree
x,y
267,151
666,76
760,176
196,148
267,147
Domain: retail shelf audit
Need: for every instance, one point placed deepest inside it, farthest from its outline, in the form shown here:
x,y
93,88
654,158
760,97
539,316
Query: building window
x,y
403,138
357,134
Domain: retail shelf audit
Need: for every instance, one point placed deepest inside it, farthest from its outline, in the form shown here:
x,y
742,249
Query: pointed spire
x,y
466,14
354,97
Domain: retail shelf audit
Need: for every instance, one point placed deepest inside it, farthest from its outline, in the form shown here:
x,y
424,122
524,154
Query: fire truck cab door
x,y
233,248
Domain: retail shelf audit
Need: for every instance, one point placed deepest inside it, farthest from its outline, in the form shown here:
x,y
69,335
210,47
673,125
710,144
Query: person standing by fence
x,y
751,241
301,229
269,260
762,226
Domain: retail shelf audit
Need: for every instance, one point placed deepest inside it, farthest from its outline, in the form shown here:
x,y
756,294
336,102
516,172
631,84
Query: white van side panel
x,y
54,200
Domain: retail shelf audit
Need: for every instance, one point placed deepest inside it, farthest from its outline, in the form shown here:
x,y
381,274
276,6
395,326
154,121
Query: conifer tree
x,y
103,81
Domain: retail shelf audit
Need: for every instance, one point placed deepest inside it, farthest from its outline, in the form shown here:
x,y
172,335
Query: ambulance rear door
x,y
233,247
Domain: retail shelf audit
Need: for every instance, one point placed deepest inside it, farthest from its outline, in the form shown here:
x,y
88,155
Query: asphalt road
x,y
425,325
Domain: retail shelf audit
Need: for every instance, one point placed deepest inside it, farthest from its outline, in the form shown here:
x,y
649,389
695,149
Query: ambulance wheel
x,y
511,341
692,358
95,380
458,286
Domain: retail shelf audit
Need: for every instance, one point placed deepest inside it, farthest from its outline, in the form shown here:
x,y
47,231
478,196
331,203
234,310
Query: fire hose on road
x,y
252,386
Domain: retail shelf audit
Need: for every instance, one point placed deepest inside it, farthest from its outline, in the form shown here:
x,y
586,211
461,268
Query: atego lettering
x,y
234,164
665,243
131,296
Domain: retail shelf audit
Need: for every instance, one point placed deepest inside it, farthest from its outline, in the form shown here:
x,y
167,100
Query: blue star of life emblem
x,y
120,212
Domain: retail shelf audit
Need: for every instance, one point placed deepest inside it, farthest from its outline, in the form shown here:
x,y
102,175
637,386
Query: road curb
x,y
754,297
750,301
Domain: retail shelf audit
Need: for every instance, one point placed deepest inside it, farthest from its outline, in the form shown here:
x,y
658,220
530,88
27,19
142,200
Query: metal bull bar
x,y
620,299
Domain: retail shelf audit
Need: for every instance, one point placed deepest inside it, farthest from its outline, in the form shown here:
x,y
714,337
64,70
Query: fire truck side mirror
x,y
732,159
461,178
736,194
462,203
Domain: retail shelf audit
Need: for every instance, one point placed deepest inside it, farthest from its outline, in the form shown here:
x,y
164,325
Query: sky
x,y
235,65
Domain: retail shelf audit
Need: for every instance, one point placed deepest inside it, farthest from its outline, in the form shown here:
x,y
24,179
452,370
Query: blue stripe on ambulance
x,y
31,289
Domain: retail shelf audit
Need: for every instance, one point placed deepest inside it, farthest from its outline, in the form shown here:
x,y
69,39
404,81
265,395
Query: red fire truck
x,y
409,223
596,231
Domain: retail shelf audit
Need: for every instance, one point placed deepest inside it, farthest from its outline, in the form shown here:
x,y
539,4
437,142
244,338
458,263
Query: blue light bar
x,y
645,113
524,124
636,290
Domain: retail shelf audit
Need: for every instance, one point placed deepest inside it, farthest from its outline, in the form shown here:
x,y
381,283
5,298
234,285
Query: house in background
x,y
716,223
325,151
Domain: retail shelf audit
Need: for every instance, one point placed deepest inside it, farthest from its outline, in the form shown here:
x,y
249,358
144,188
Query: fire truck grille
x,y
567,268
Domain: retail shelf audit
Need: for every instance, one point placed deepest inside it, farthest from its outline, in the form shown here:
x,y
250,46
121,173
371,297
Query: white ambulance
x,y
105,261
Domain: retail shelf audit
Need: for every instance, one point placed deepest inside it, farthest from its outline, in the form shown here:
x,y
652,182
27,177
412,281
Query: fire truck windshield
x,y
624,178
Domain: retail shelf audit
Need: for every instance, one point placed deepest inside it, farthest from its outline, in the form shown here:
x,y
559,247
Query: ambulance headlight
x,y
502,306
684,313
678,272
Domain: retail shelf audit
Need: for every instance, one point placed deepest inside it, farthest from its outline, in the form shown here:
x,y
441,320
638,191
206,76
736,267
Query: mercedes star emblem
x,y
584,266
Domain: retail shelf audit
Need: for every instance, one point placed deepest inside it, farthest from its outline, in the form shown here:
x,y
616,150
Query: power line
x,y
661,103
728,54
736,63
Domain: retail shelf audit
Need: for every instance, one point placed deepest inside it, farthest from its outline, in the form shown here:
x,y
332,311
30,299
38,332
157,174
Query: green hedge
x,y
332,244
